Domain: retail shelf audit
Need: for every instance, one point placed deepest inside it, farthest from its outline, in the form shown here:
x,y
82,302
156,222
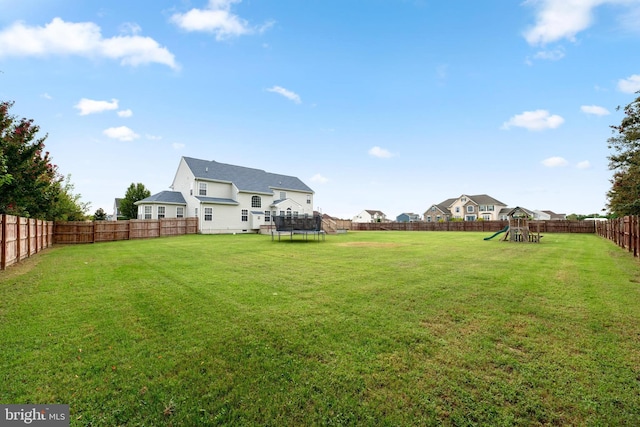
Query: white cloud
x,y
629,85
595,110
585,164
177,146
561,19
550,55
534,120
125,113
121,133
218,19
319,179
153,137
554,162
380,152
286,93
46,96
91,106
82,39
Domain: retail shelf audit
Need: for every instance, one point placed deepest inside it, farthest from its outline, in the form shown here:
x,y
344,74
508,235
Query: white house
x,y
369,215
227,198
467,208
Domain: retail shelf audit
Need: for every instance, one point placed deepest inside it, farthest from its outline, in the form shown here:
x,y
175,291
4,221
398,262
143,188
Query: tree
x,y
624,195
5,176
100,215
67,205
134,193
30,184
29,179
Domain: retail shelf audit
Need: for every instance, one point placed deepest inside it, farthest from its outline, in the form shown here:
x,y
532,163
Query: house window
x,y
267,216
208,214
470,208
179,212
429,218
289,212
147,212
283,195
470,218
464,199
245,215
161,211
256,202
196,212
295,214
281,213
202,189
438,218
308,199
457,209
491,208
433,208
486,217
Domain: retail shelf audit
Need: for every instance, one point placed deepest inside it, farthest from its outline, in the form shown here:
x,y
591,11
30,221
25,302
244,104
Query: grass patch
x,y
386,328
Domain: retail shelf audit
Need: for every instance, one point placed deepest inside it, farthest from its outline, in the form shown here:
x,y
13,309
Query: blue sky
x,y
375,104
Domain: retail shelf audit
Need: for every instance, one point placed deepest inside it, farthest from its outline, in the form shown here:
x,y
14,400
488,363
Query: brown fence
x,y
21,238
70,232
624,232
483,226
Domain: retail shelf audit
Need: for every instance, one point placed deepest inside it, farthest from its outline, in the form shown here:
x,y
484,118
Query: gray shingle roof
x,y
246,179
168,197
483,199
444,206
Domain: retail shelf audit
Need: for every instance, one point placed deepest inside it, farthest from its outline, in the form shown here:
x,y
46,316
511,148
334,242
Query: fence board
x,y
624,232
21,238
72,232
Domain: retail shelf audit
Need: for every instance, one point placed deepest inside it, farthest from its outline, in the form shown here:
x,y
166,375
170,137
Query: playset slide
x,y
501,231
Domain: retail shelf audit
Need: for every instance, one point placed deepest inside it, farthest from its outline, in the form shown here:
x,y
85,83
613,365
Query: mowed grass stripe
x,y
387,328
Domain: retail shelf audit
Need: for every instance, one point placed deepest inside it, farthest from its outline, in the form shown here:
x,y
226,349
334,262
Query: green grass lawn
x,y
386,328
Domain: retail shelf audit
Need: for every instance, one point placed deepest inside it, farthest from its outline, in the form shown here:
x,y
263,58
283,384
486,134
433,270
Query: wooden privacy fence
x,y
483,226
23,237
70,232
624,232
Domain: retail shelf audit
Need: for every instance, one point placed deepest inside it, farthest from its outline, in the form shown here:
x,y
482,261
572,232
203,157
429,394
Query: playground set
x,y
518,228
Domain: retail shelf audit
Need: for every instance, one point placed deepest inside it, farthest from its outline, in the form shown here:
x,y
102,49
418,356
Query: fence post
x,y
3,250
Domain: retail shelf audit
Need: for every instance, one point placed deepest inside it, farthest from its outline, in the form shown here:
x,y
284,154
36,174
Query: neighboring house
x,y
555,217
369,215
408,217
227,198
117,214
472,208
439,212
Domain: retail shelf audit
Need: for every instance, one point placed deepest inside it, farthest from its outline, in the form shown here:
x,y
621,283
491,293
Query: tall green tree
x,y
624,195
134,193
100,215
30,182
31,185
67,206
